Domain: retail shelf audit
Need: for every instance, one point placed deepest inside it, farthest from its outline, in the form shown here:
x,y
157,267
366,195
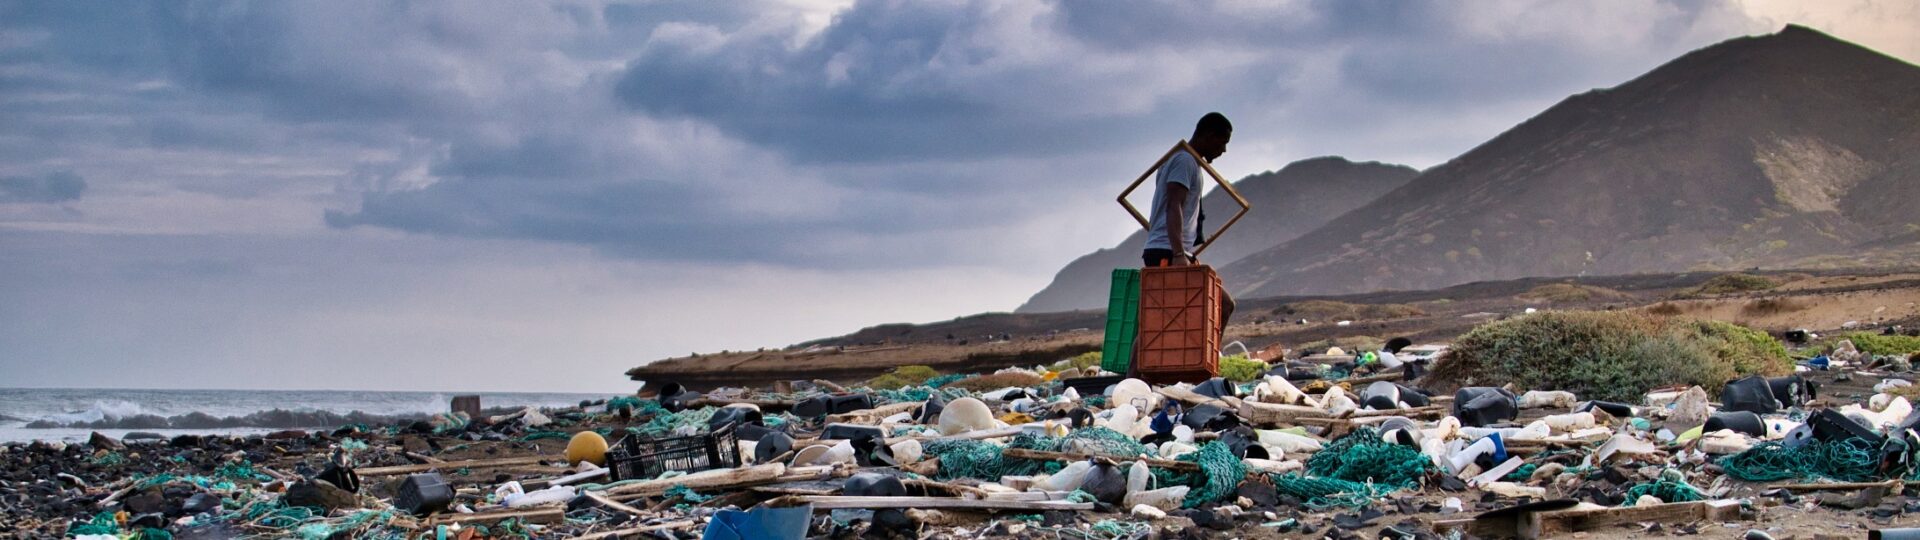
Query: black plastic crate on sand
x,y
637,458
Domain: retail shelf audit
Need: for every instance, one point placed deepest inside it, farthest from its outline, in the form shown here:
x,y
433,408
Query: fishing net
x,y
938,381
983,460
667,422
626,402
1665,490
1324,493
1849,460
914,394
1220,473
1362,456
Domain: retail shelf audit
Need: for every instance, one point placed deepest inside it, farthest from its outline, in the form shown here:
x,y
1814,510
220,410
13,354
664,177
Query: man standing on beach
x,y
1176,195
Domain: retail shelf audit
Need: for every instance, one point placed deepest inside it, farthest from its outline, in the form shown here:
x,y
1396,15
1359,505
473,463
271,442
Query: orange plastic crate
x,y
1179,324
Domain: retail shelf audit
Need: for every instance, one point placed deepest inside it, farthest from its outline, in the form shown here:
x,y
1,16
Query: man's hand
x,y
1179,259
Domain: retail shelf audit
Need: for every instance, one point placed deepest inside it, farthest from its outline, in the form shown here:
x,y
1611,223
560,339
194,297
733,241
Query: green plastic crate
x,y
1123,321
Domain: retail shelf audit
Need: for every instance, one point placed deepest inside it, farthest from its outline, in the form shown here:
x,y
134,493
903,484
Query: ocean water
x,y
66,414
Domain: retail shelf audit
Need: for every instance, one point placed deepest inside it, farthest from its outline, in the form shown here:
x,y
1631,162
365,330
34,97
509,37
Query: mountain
x,y
1286,203
1793,149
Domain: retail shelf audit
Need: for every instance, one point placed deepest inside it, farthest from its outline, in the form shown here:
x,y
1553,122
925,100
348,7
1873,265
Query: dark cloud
x,y
56,187
735,132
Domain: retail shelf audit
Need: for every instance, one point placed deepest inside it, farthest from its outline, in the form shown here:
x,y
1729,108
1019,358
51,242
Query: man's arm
x,y
1176,202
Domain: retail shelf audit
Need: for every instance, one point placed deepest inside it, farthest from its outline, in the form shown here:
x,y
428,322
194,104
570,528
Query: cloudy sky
x,y
527,196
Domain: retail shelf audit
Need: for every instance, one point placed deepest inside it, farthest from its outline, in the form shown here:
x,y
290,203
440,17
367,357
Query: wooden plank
x,y
876,413
685,523
1894,485
1547,523
1273,414
613,504
543,515
832,502
1195,398
450,465
1076,456
704,480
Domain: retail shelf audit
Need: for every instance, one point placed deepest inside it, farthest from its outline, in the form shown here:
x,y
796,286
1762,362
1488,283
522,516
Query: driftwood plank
x,y
831,502
551,514
450,465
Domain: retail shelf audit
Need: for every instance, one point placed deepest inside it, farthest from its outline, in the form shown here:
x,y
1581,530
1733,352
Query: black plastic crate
x,y
637,458
1092,386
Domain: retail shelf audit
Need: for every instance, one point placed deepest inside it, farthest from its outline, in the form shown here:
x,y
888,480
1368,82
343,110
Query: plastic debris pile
x,y
1321,446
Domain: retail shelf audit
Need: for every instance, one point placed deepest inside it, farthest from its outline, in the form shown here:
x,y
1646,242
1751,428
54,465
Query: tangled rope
x,y
1324,493
1220,473
1362,456
1849,460
1665,490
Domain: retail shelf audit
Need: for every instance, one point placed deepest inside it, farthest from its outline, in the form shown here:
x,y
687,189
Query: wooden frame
x,y
1182,146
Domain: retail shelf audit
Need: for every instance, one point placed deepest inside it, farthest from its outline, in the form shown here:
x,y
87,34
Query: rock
x,y
1689,410
415,444
101,441
286,435
143,436
1450,506
320,495
201,502
186,441
147,521
1147,512
146,501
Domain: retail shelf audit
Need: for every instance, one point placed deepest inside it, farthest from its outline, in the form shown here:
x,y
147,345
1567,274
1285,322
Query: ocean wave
x,y
272,418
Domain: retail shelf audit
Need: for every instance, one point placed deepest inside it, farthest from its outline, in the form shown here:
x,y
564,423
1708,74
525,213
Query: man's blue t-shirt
x,y
1180,169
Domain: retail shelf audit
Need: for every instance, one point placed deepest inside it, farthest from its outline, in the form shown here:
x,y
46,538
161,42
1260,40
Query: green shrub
x,y
1872,343
996,381
1084,361
1569,292
1238,368
1735,282
1614,356
902,377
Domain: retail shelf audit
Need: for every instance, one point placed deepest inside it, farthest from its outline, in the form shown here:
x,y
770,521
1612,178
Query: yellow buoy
x,y
587,446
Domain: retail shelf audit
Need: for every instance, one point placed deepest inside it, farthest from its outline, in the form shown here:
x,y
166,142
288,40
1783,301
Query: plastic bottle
x,y
1167,498
1562,423
1139,477
1122,418
1068,479
549,495
1287,442
1465,456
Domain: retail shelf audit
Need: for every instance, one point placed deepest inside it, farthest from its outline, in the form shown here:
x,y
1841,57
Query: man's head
x,y
1210,136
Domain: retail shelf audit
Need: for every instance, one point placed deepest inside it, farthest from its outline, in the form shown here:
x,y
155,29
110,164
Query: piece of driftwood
x,y
622,533
1271,414
876,413
1539,524
718,479
1024,453
1545,523
1892,485
955,489
763,404
450,465
1191,397
993,433
613,504
833,502
1438,410
540,515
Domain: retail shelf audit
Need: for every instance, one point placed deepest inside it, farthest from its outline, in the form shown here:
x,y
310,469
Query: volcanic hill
x,y
1789,150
